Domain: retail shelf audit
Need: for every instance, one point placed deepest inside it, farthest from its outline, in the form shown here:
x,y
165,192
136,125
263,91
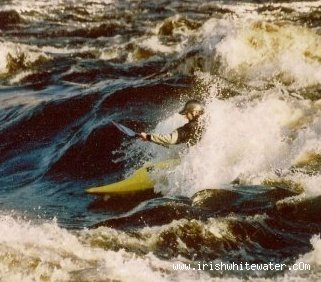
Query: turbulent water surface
x,y
248,192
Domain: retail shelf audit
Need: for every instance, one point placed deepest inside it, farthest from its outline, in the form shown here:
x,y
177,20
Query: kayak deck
x,y
139,181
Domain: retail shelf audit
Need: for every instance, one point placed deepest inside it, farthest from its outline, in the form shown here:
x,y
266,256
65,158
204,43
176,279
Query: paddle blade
x,y
124,129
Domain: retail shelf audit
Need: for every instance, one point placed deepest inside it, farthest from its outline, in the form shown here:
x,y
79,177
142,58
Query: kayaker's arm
x,y
161,139
190,133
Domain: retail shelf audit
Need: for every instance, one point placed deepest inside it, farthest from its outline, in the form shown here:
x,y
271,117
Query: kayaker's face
x,y
189,116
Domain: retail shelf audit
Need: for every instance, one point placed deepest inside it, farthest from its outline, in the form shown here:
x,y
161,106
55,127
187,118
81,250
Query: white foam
x,y
31,252
237,140
32,53
314,257
3,60
153,43
255,50
248,136
34,252
49,8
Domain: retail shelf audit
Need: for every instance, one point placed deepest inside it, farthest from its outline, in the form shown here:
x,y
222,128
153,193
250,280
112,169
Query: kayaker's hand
x,y
143,136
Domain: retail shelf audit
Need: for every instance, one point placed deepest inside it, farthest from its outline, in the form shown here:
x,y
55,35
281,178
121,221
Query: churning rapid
x,y
248,192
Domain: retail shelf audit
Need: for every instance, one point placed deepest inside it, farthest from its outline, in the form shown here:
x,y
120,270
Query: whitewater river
x,y
247,195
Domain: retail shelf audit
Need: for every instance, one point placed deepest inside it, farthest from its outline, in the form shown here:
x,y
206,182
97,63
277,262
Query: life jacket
x,y
191,132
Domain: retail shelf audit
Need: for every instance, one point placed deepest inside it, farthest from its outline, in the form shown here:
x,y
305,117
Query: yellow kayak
x,y
139,181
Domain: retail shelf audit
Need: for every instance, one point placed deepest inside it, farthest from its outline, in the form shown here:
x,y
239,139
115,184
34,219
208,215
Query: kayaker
x,y
190,133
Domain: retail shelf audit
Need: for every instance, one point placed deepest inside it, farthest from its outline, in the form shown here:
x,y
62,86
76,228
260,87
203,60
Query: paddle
x,y
125,129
